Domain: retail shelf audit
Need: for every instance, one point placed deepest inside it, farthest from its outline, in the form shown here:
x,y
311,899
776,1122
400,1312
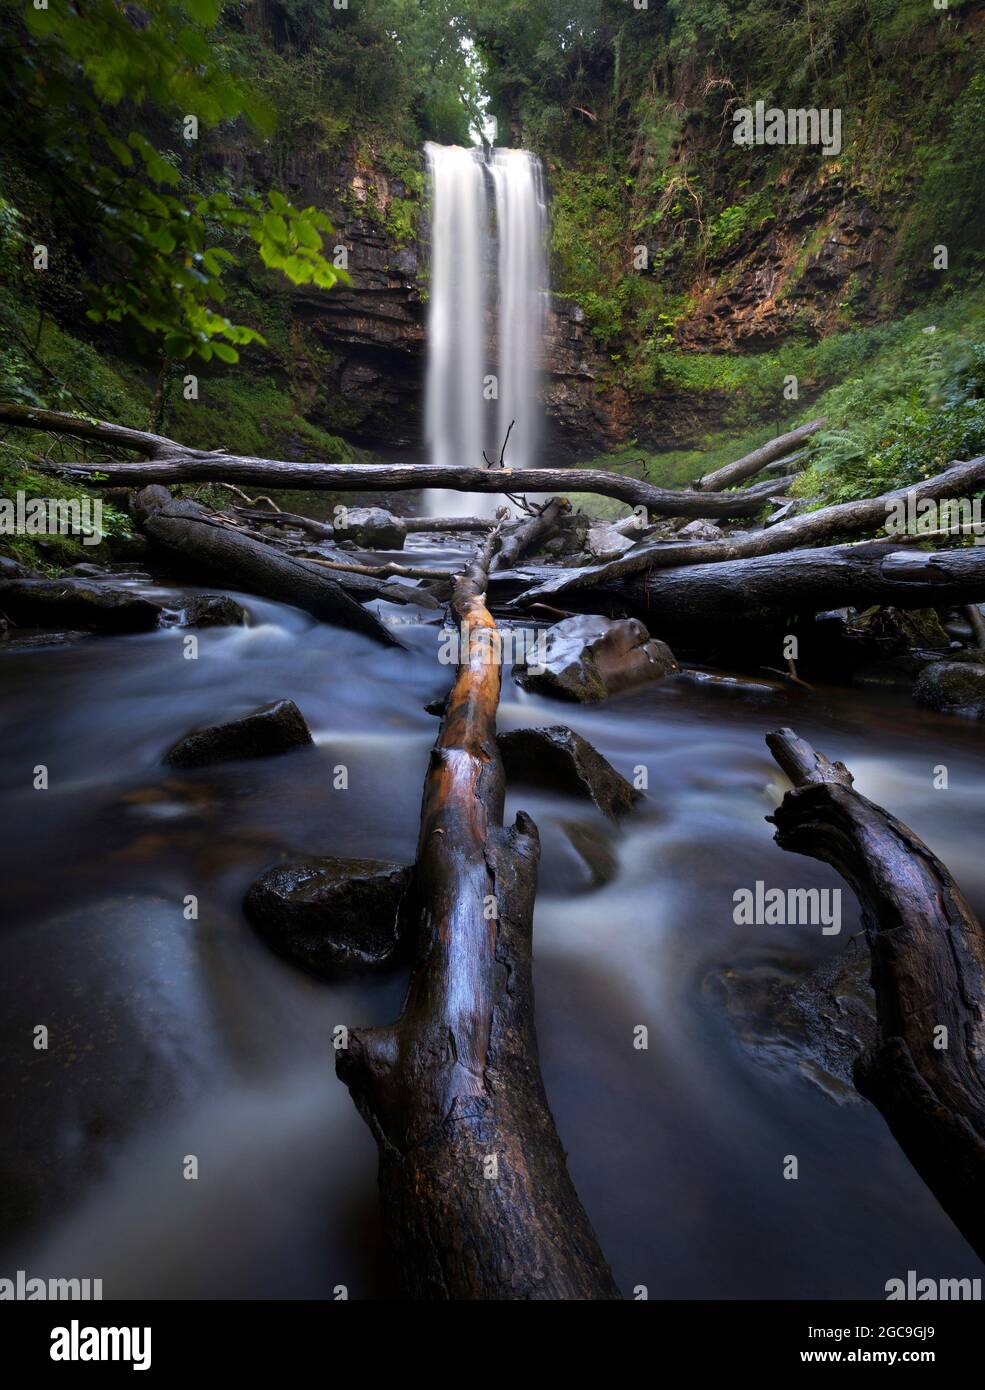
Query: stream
x,y
171,1037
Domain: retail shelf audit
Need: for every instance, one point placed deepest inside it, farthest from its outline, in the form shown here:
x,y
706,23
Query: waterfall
x,y
522,273
487,254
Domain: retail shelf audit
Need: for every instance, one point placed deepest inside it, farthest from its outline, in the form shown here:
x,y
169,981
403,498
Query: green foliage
x,y
90,87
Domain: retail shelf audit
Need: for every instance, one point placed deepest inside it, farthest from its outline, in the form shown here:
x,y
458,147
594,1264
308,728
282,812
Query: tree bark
x,y
759,591
928,973
168,462
523,538
734,473
811,528
186,531
477,1200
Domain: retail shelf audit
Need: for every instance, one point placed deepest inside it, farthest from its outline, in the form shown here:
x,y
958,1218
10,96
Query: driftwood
x,y
189,533
961,479
477,1200
169,462
928,973
523,538
776,449
745,593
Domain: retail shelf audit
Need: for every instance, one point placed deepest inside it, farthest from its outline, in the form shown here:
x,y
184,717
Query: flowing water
x,y
171,1037
488,266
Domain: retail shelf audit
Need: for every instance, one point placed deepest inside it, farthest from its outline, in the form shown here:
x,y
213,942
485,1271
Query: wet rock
x,y
558,758
373,528
331,916
594,850
953,687
700,531
76,603
815,1023
588,658
214,610
607,542
12,569
14,639
273,728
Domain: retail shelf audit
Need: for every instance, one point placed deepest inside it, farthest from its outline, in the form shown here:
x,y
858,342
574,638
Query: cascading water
x,y
463,416
522,271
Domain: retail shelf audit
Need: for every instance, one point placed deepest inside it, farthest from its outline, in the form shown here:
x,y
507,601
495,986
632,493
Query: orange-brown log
x,y
477,1199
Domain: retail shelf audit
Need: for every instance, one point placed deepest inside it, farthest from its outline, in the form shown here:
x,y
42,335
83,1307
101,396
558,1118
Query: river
x,y
171,1037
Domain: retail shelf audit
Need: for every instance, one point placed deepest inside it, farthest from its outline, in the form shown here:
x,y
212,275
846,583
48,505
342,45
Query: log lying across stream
x,y
218,551
762,591
169,462
926,1073
477,1199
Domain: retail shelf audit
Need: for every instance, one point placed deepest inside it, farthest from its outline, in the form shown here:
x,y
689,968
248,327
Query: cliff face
x,y
371,335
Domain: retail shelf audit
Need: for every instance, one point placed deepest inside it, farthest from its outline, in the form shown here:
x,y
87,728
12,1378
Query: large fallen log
x,y
734,473
740,594
477,1200
926,1072
169,462
962,479
187,532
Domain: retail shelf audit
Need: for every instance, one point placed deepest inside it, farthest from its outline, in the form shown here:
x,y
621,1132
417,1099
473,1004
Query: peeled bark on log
x,y
477,1200
734,473
867,514
187,531
764,590
928,972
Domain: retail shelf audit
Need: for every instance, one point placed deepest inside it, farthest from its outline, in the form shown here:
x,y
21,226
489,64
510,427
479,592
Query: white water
x,y
522,270
463,416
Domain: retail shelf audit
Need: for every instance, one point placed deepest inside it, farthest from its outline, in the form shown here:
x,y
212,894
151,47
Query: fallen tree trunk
x,y
168,462
187,532
811,528
192,467
775,587
734,473
477,1200
523,538
926,1072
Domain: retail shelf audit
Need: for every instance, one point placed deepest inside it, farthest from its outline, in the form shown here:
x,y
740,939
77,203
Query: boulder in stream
x,y
558,758
372,528
213,610
588,658
76,603
331,916
953,687
273,728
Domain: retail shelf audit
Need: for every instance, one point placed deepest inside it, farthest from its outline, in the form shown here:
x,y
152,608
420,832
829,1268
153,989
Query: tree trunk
x,y
811,528
734,473
926,1072
477,1200
528,534
745,594
188,533
169,462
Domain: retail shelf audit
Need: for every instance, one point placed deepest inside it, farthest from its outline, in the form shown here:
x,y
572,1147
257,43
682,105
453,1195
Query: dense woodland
x,y
163,249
